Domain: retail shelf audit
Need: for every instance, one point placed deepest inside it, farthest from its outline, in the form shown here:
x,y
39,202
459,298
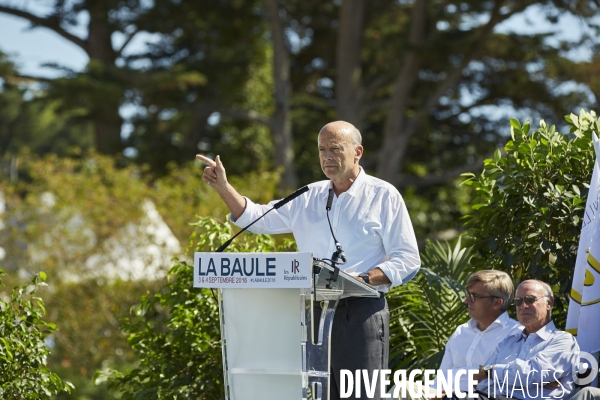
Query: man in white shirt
x,y
370,220
488,296
539,362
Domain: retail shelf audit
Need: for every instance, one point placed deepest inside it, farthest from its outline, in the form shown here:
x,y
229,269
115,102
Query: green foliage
x,y
23,351
62,210
426,310
530,201
180,356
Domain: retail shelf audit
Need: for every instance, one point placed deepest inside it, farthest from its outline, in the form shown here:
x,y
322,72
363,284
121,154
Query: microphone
x,y
329,200
339,253
277,205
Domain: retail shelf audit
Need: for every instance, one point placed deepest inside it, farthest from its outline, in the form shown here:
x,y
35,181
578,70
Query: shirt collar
x,y
544,333
501,321
357,184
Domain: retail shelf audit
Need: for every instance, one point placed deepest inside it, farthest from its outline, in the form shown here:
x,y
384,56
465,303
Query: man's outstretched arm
x,y
214,176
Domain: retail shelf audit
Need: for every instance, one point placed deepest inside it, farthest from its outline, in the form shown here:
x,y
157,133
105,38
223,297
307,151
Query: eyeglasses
x,y
517,301
474,296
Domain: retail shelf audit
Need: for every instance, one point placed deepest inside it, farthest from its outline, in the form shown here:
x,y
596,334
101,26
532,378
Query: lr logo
x,y
295,265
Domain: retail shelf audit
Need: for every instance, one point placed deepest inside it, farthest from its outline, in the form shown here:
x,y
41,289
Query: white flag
x,y
583,318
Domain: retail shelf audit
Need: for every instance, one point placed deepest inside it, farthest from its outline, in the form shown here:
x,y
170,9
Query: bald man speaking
x,y
369,218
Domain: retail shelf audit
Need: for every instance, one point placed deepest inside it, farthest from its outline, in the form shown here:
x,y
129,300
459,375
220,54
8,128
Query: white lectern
x,y
273,348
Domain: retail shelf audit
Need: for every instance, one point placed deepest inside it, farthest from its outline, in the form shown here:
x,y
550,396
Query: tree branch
x,y
48,22
29,78
444,177
127,41
374,84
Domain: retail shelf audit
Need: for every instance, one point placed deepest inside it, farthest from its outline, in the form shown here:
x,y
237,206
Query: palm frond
x,y
425,311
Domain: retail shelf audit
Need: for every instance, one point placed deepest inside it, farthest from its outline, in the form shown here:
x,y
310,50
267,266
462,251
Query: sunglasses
x,y
517,301
473,297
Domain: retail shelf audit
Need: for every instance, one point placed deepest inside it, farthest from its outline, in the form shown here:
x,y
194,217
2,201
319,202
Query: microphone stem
x,y
227,243
338,246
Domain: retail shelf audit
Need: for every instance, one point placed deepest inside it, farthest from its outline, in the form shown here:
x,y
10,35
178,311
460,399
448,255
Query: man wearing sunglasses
x,y
536,364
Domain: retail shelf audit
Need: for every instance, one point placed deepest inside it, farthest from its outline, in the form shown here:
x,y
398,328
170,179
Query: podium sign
x,y
252,270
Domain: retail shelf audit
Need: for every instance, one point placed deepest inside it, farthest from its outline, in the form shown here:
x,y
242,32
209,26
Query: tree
x,y
247,82
81,218
23,351
100,90
34,123
413,73
529,208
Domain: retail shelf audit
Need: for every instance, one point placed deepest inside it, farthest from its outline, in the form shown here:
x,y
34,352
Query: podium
x,y
274,346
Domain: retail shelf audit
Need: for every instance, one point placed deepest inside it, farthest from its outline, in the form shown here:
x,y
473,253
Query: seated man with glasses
x,y
537,363
488,297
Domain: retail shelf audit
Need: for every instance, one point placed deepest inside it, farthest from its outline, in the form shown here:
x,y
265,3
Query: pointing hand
x,y
214,174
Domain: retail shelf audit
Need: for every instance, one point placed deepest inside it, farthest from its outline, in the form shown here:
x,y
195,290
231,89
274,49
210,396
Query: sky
x,y
31,48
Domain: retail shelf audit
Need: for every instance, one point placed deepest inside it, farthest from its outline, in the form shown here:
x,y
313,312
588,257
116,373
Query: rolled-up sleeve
x,y
399,242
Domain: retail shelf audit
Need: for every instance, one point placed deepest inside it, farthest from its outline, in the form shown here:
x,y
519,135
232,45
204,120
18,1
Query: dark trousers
x,y
359,340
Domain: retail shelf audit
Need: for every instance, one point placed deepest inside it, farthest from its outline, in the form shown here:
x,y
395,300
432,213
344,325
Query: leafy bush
x,y
23,351
530,202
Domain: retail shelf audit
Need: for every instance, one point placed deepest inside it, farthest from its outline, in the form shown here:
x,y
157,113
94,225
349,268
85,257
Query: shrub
x,y
23,351
530,201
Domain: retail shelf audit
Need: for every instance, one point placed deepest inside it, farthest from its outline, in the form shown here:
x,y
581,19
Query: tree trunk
x,y
395,134
348,88
281,125
108,94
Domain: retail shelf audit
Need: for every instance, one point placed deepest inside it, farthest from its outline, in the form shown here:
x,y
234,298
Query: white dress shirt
x,y
469,347
529,362
369,220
